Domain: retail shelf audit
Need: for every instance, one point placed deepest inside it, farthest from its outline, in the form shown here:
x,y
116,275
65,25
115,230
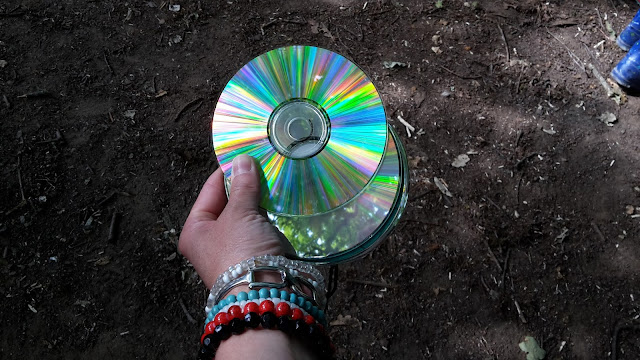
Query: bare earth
x,y
540,236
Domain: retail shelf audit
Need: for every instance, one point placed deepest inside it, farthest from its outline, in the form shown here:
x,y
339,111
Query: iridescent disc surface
x,y
312,119
349,231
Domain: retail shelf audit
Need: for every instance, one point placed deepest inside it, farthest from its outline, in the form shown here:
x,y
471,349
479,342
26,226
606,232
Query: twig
x,y
186,312
518,190
6,101
458,75
35,94
265,25
493,257
520,313
112,228
602,80
20,180
572,55
506,45
519,79
521,161
597,230
600,19
371,283
106,60
177,117
506,266
103,201
494,204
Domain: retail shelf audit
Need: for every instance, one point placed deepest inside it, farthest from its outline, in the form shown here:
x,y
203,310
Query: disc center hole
x,y
299,128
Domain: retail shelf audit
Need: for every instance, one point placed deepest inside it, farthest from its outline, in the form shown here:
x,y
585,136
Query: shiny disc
x,y
352,229
312,119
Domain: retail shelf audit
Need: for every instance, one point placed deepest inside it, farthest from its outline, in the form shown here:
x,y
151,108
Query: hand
x,y
218,234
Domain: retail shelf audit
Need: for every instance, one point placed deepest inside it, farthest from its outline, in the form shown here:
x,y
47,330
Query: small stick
x,y
486,287
106,60
493,257
597,229
103,201
521,161
600,18
572,55
458,75
371,283
35,94
20,181
506,45
520,314
112,228
601,79
6,101
177,117
506,266
186,312
494,204
519,79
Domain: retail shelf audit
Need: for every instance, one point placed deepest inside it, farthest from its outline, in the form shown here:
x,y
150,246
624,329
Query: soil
x,y
537,238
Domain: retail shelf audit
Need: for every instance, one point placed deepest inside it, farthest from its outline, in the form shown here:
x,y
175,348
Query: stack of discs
x,y
334,173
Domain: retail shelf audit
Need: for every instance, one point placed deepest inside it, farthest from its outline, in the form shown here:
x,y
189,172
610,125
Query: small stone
x,y
3,63
436,49
630,209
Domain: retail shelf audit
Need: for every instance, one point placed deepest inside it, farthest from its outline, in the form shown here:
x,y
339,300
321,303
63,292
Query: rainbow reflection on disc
x,y
350,231
312,119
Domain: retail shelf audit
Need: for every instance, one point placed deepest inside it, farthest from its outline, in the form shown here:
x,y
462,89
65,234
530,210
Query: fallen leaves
x,y
533,350
460,161
442,186
608,118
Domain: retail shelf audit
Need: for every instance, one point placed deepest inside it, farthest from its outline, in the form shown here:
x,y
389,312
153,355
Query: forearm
x,y
262,344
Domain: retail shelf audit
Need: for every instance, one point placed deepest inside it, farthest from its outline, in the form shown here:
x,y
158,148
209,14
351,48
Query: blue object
x,y
284,295
242,296
231,299
627,72
253,295
631,34
274,293
264,293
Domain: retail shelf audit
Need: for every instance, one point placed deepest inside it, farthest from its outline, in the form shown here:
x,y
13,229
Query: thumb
x,y
244,194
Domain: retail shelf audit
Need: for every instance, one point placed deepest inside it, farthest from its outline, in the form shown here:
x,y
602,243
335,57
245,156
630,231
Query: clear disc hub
x,y
299,128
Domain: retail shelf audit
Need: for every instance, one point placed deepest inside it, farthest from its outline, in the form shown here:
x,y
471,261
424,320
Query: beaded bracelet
x,y
267,314
290,271
274,295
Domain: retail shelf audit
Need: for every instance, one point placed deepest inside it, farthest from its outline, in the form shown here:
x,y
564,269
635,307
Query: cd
x,y
313,120
351,230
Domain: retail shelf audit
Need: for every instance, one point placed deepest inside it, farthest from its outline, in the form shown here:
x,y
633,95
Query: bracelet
x,y
267,314
290,271
294,301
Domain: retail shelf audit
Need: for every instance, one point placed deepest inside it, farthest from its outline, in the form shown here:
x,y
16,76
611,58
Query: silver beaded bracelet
x,y
291,274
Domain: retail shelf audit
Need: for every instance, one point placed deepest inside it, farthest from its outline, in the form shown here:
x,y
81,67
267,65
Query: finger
x,y
244,194
212,198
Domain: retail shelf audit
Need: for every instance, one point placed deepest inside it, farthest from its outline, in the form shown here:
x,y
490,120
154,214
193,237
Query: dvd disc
x,y
312,119
351,230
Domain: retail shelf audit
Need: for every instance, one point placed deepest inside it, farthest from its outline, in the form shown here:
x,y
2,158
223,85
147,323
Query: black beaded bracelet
x,y
313,336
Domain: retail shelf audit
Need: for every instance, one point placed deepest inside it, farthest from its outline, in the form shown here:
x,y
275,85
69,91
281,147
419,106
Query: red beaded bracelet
x,y
282,317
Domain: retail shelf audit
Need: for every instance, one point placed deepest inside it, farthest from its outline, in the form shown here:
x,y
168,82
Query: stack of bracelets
x,y
297,312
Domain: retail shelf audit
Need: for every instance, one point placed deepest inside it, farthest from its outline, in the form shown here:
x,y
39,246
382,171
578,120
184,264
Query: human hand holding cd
x,y
220,233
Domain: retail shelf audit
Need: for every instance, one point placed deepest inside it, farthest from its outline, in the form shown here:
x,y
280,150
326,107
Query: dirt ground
x,y
539,237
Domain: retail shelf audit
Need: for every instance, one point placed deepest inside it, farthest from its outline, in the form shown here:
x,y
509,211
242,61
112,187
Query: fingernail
x,y
242,164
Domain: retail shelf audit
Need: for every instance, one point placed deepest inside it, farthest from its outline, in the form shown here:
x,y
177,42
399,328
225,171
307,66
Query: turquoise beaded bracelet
x,y
272,294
